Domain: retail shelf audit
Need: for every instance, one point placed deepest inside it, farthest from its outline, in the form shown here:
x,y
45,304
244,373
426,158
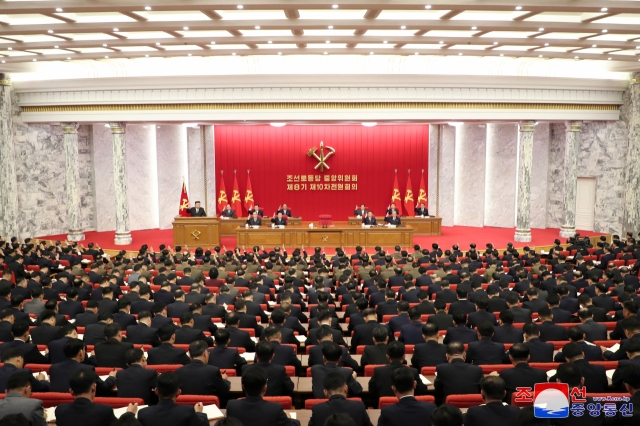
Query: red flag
x,y
422,196
409,204
395,198
248,199
222,198
236,203
184,202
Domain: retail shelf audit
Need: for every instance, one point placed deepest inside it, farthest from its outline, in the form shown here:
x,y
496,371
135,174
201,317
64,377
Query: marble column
x,y
525,162
568,229
70,131
8,181
631,220
123,234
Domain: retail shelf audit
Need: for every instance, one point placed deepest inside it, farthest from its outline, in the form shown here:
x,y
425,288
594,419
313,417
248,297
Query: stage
x,y
461,235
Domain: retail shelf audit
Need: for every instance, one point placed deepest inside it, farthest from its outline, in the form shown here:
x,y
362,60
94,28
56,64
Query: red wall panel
x,y
371,153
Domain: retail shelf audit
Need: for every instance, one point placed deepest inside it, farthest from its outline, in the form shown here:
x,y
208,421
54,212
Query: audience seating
x,y
311,402
118,402
464,401
194,399
368,369
389,400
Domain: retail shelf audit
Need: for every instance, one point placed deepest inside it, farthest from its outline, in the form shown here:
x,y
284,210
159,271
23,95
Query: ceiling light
x,y
369,124
495,42
441,42
385,42
106,125
330,27
474,28
10,48
455,123
189,54
104,45
416,53
546,44
269,42
577,57
106,57
540,29
604,31
234,53
460,54
328,41
35,60
257,27
326,53
502,54
213,42
146,56
55,47
157,44
404,27
608,59
335,6
58,9
68,59
518,7
539,56
278,124
428,6
115,30
4,62
239,6
604,9
370,53
279,53
147,8
185,28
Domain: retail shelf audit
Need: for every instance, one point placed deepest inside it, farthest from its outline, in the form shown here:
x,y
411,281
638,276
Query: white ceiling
x,y
73,30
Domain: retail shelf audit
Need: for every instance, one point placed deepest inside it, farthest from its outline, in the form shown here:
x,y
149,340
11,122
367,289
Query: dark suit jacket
x,y
318,372
111,353
507,334
339,404
493,413
520,314
170,413
278,383
462,305
285,355
551,331
195,212
142,334
476,318
141,305
82,409
618,375
411,334
30,351
240,339
374,354
70,307
594,331
485,351
185,335
14,403
166,353
407,412
315,357
363,335
591,353
397,322
540,351
460,333
158,321
521,375
137,382
442,320
197,378
124,319
223,357
214,311
380,383
8,370
61,372
457,378
83,320
312,338
45,333
255,411
428,354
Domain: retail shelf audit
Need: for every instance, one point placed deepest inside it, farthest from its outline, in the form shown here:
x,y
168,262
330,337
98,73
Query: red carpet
x,y
461,235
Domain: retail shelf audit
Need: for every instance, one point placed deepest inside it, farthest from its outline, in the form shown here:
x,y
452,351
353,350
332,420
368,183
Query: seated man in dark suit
x,y
278,383
187,333
369,219
481,315
492,412
254,220
279,220
239,338
591,352
94,333
520,314
228,212
166,353
460,333
380,383
396,322
533,304
331,354
570,374
253,410
47,331
325,338
20,332
632,348
549,330
167,411
462,304
559,314
56,347
592,330
597,314
76,358
142,332
13,360
506,332
539,351
408,411
200,378
377,354
111,352
90,315
83,387
485,351
389,306
394,219
430,353
441,319
363,333
457,377
324,320
223,357
197,211
335,388
283,355
421,210
247,320
17,402
595,377
411,334
71,306
137,381
631,328
123,317
522,374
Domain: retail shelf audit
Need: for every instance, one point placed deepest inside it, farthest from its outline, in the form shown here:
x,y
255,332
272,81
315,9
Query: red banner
x,y
248,198
285,165
222,198
236,204
395,196
409,204
422,195
184,202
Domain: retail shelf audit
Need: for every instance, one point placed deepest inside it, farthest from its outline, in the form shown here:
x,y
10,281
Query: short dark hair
x,y
221,336
264,351
571,350
395,350
446,415
380,333
82,380
19,328
334,381
133,355
19,380
519,352
569,373
486,329
73,347
575,333
168,384
12,353
339,419
166,331
111,330
493,386
332,352
402,379
197,348
254,379
455,348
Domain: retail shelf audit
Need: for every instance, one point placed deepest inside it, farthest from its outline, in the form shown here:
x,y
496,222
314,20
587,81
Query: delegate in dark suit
x,y
80,410
240,339
319,371
60,374
44,333
198,378
169,413
111,353
492,413
374,354
460,333
30,351
32,409
166,353
142,334
429,354
339,404
137,382
223,357
485,351
255,411
407,412
540,351
521,375
315,356
380,382
456,378
278,382
594,331
441,319
197,212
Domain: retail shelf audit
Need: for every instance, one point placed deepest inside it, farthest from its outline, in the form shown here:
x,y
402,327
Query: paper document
x,y
609,374
248,356
425,381
615,347
293,414
120,411
255,339
551,373
301,338
104,377
212,412
46,376
589,343
50,414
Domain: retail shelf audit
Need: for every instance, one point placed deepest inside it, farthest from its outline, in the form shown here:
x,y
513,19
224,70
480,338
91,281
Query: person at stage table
x,y
197,211
228,212
421,210
257,209
392,209
393,219
254,219
369,219
279,220
285,210
360,212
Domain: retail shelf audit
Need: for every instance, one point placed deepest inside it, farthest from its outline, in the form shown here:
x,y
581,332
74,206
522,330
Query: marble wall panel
x,y
195,156
539,175
104,193
171,143
142,180
501,177
555,175
447,176
470,166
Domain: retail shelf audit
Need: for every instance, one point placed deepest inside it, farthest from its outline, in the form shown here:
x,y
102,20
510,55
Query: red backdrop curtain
x,y
274,153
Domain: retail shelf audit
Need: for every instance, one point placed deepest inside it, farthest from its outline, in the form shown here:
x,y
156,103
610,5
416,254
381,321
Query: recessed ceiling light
x,y
185,28
106,57
540,29
637,47
55,47
157,44
370,53
50,31
441,42
68,59
474,28
416,53
4,62
335,6
539,56
269,42
604,9
459,54
502,54
234,53
58,9
604,31
577,57
146,56
594,45
10,48
328,41
147,8
518,7
278,124
35,60
546,44
104,45
369,124
403,27
257,27
188,54
106,125
326,53
239,6
330,27
279,53
428,6
495,42
213,42
385,42
115,30
608,59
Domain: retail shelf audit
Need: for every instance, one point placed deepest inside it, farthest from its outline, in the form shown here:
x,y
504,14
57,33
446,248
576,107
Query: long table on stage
x,y
228,226
421,226
343,236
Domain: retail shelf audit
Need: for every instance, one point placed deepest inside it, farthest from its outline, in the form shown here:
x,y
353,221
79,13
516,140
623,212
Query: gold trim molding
x,y
5,82
320,106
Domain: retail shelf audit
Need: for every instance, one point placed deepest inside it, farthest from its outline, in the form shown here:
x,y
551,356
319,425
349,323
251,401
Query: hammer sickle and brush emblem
x,y
322,158
196,235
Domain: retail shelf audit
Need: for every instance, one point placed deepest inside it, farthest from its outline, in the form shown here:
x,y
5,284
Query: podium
x,y
196,231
